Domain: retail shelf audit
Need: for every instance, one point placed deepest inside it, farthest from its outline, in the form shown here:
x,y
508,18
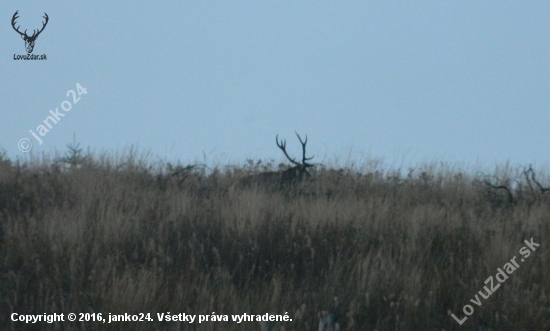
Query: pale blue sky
x,y
407,81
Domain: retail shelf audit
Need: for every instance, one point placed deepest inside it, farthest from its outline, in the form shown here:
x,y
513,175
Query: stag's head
x,y
29,40
281,178
299,170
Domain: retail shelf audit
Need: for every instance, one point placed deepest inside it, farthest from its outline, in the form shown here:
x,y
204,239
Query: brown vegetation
x,y
377,249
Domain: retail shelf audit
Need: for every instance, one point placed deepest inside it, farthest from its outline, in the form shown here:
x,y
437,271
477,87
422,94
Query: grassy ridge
x,y
382,251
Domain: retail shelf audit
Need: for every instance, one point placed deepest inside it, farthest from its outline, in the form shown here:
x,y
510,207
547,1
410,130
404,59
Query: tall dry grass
x,y
379,250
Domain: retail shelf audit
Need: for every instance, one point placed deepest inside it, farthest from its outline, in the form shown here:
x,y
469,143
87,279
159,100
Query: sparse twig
x,y
539,185
502,187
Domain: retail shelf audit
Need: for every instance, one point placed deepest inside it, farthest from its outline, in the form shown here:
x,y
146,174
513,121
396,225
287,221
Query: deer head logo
x,y
29,40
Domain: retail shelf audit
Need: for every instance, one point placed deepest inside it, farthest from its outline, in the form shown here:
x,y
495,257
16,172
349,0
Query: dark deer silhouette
x,y
29,40
299,171
283,178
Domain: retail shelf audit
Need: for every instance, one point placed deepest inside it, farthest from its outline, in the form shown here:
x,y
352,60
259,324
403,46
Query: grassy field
x,y
379,249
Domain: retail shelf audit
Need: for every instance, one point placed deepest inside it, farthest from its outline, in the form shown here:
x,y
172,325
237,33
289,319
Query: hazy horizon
x,y
462,83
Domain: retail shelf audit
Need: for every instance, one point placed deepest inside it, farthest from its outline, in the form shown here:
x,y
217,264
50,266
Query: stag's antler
x,y
304,158
23,35
43,25
36,34
282,146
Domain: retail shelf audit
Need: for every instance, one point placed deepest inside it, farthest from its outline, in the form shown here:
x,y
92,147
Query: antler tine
x,y
35,34
302,142
304,158
282,146
13,19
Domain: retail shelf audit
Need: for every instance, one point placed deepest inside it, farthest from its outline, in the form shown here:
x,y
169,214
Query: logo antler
x,y
29,40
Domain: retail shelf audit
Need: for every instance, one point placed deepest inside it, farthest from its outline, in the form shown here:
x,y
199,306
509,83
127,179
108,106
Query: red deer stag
x,y
294,174
299,171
